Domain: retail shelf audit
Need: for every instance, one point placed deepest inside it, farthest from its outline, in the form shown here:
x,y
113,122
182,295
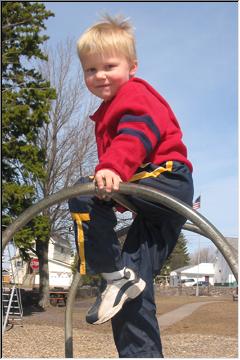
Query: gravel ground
x,y
39,341
210,332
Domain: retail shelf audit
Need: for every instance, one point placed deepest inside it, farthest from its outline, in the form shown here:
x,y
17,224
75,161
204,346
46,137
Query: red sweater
x,y
137,126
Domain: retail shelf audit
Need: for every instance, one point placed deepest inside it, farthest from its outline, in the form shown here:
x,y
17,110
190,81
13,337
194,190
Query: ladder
x,y
11,307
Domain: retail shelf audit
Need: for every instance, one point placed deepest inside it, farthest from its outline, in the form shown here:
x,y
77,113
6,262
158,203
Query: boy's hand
x,y
108,180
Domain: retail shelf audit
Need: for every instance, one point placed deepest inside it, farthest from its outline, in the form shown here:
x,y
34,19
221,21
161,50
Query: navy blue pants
x,y
150,240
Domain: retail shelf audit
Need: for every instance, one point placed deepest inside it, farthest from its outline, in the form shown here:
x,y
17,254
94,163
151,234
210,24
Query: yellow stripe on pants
x,y
79,218
154,173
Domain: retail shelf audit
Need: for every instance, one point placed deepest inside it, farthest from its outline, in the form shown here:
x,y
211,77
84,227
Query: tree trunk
x,y
42,253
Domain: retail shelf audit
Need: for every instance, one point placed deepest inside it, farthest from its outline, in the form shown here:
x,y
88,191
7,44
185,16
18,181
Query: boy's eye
x,y
90,70
110,66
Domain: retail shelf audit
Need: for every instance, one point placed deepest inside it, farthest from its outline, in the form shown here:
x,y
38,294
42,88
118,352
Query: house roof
x,y
59,240
202,268
62,263
182,268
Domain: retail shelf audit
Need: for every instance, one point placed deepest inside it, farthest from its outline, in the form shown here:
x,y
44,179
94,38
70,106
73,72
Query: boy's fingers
x,y
109,183
100,181
116,182
108,180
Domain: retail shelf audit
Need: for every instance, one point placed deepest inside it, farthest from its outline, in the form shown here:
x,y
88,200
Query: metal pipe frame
x,y
68,315
187,226
200,225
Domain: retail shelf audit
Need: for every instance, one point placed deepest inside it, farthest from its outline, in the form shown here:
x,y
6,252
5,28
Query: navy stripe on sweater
x,y
140,135
144,119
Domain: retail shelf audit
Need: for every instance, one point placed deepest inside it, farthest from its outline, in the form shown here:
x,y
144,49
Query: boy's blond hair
x,y
112,35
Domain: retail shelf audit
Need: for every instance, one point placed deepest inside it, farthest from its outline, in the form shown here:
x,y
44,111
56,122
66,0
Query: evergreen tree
x,y
178,258
26,100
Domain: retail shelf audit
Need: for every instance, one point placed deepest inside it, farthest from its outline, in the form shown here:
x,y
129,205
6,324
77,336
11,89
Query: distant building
x,y
201,272
217,273
223,273
60,258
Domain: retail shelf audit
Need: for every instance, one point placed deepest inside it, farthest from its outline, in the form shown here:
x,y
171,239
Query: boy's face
x,y
105,74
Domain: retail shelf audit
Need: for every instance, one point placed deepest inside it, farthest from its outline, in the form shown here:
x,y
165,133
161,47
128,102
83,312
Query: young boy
x,y
139,140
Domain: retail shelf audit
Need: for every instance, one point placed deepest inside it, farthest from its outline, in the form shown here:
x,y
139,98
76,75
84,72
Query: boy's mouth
x,y
103,86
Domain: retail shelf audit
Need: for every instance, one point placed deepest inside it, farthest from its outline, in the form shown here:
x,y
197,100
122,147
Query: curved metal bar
x,y
121,199
191,227
187,226
194,228
129,189
77,279
183,209
68,315
60,196
210,231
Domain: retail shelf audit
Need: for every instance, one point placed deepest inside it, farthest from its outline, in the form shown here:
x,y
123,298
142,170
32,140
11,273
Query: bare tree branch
x,y
206,254
68,139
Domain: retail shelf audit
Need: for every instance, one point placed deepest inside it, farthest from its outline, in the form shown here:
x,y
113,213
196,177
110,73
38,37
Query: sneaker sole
x,y
135,291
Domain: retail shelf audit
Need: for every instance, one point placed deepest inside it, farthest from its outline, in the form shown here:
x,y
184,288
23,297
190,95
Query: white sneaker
x,y
112,299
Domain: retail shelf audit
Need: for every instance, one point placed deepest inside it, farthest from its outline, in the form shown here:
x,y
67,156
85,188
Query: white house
x,y
223,273
201,272
60,258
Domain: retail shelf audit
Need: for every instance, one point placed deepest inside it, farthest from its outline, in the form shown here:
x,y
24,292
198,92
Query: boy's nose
x,y
101,75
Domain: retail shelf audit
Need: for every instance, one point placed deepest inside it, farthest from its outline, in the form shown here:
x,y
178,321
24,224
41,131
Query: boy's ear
x,y
133,68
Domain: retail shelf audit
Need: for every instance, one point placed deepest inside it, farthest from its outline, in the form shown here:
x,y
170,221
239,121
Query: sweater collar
x,y
104,105
100,111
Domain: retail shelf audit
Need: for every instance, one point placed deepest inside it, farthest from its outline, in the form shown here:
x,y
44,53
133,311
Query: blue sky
x,y
188,52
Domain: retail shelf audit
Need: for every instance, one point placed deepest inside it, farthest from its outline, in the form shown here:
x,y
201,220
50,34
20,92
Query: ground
x,y
209,332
